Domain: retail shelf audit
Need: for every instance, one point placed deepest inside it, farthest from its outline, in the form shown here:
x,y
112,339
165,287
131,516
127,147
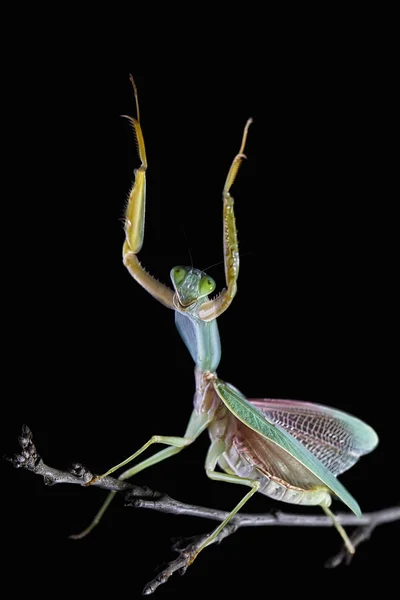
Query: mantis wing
x,y
336,438
252,416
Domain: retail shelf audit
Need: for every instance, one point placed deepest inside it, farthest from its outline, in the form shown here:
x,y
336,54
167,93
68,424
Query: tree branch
x,y
141,497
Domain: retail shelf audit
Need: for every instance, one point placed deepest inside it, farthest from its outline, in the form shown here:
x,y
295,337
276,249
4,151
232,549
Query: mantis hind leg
x,y
339,529
215,451
197,424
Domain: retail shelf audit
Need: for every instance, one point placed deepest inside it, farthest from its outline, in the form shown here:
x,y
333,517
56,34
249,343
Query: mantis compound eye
x,y
178,274
206,286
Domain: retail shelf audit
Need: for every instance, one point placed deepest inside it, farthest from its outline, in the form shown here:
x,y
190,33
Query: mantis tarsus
x,y
289,450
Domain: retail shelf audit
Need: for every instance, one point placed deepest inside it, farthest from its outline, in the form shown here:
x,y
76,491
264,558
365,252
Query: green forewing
x,y
256,420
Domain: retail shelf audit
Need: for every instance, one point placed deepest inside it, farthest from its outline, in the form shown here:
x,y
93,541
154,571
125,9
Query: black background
x,y
95,367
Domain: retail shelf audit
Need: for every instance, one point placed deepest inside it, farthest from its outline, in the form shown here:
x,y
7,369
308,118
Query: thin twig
x,y
30,459
140,497
165,503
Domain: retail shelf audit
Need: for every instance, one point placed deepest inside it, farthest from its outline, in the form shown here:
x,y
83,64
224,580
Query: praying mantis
x,y
289,450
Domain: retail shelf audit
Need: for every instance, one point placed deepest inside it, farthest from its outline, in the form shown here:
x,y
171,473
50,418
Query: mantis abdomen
x,y
247,454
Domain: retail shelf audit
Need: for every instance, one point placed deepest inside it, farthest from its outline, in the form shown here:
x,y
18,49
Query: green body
x,y
300,446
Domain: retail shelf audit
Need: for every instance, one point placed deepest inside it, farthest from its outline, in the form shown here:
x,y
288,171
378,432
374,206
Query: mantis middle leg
x,y
197,424
216,450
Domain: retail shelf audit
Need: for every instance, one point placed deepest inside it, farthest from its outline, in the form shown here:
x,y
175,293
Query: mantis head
x,y
191,285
